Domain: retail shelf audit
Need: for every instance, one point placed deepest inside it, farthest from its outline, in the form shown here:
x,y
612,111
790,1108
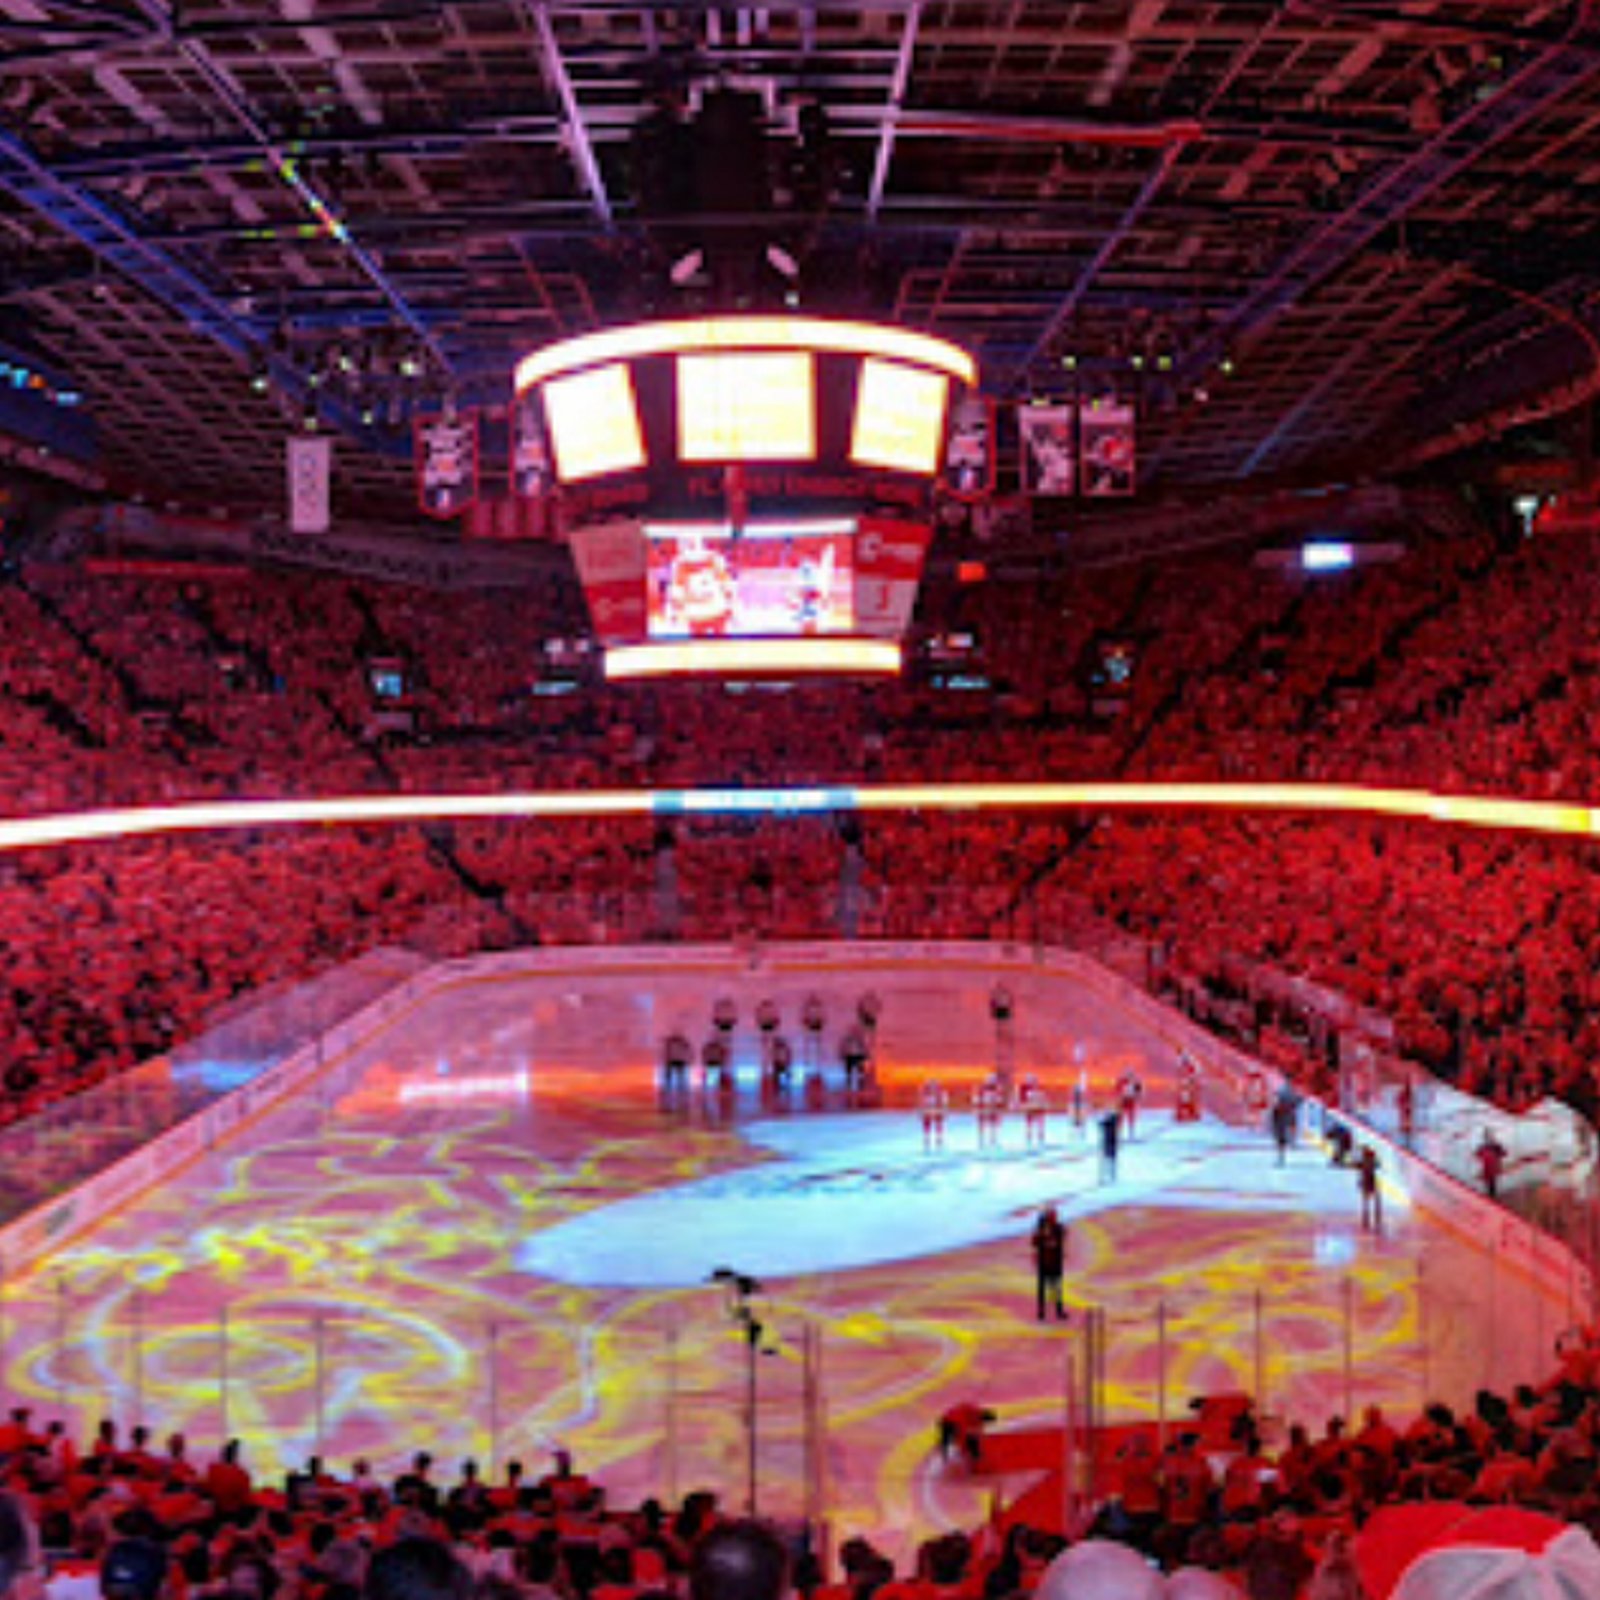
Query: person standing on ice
x,y
1371,1194
1049,1261
1002,1009
935,1103
1130,1090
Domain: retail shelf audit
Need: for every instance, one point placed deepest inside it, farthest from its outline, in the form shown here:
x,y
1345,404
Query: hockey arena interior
x,y
797,800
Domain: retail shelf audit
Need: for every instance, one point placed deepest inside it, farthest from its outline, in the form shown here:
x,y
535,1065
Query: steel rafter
x,y
1355,352
113,240
905,58
227,93
1073,300
1532,89
574,126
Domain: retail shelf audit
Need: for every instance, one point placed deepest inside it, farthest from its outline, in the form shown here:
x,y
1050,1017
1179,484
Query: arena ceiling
x,y
1300,234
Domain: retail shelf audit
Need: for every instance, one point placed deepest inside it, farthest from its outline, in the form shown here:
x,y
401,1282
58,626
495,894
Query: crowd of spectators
x,y
1467,664
128,1519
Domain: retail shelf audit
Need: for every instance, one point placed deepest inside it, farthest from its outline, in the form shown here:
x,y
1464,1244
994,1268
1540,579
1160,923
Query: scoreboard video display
x,y
837,594
746,494
775,579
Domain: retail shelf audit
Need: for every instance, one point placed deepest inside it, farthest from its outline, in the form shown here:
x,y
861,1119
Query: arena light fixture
x,y
815,334
733,658
766,528
1327,555
1469,811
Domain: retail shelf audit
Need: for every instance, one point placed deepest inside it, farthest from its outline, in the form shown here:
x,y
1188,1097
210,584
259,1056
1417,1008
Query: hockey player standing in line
x,y
1187,1106
1002,1008
767,1020
935,1103
780,1055
1129,1092
813,1018
868,1009
853,1057
716,1063
677,1056
988,1101
1033,1103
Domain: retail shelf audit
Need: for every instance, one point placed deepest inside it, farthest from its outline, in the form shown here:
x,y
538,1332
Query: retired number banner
x,y
447,464
310,472
969,453
531,471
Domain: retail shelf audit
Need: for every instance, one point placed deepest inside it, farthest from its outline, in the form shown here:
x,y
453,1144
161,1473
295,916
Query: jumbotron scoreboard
x,y
744,494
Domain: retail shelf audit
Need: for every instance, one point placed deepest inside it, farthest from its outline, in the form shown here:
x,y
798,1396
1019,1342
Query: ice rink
x,y
482,1233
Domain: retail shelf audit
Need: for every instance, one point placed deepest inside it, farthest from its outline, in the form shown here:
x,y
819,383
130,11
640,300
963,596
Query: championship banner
x,y
310,462
1109,449
1049,458
447,464
532,471
889,557
610,557
969,456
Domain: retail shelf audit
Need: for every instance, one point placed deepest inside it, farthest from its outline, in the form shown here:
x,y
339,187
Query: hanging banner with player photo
x,y
532,472
447,464
1109,449
969,455
1049,453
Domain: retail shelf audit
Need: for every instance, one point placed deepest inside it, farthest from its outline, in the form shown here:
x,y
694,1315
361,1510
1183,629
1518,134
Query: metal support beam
x,y
1335,374
579,144
891,112
612,124
1555,72
227,93
111,238
1074,298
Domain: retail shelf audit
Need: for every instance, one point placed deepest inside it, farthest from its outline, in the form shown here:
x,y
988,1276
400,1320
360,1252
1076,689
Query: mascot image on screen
x,y
813,582
701,592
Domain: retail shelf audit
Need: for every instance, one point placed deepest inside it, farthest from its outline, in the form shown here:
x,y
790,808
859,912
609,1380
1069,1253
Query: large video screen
x,y
594,424
739,406
783,580
899,421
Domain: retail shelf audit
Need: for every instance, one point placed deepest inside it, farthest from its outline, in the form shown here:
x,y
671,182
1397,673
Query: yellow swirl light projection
x,y
482,1234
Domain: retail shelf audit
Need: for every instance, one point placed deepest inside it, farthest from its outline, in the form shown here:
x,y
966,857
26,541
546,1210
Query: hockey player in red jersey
x,y
935,1104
